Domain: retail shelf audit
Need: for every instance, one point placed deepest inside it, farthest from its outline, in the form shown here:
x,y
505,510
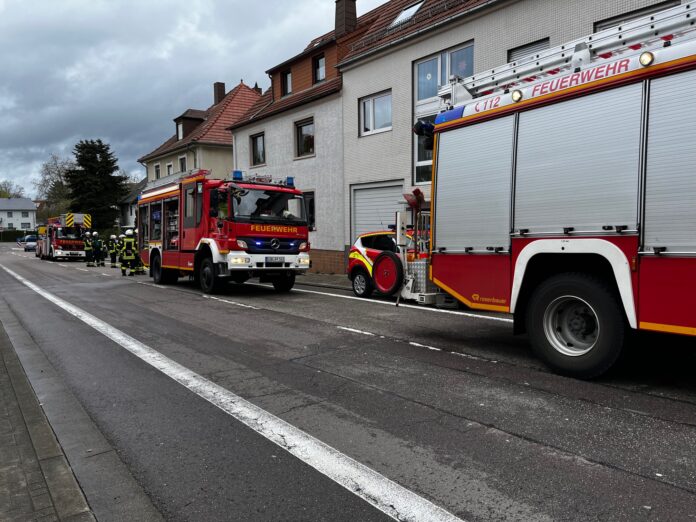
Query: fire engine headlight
x,y
303,260
646,58
517,96
240,260
303,246
242,244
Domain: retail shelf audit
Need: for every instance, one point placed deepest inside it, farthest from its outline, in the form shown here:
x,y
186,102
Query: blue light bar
x,y
237,175
453,114
290,182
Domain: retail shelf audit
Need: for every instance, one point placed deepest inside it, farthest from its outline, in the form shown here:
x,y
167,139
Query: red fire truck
x,y
564,190
63,238
224,230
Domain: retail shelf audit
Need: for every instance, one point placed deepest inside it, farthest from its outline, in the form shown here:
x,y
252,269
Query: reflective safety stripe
x,y
366,261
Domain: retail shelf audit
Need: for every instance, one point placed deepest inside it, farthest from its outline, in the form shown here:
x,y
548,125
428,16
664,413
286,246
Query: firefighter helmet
x,y
113,236
129,232
95,233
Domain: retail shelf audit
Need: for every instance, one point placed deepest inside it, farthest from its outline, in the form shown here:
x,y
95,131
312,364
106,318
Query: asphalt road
x,y
451,407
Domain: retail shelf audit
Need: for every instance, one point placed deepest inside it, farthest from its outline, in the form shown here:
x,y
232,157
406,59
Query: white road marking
x,y
107,275
384,494
354,330
235,303
419,345
389,303
81,269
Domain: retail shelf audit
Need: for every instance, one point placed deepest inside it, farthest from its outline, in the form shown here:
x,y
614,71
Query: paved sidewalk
x,y
337,281
36,482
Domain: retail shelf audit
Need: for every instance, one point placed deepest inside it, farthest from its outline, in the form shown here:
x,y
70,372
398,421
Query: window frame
x,y
25,214
399,20
315,68
157,170
180,131
169,168
286,83
615,21
185,163
310,196
252,139
361,113
9,214
297,126
528,45
25,226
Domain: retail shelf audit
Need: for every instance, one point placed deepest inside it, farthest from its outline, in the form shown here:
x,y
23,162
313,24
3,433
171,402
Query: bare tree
x,y
52,186
9,189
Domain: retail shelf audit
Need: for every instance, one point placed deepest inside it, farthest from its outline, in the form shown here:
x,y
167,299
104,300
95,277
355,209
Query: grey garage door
x,y
374,207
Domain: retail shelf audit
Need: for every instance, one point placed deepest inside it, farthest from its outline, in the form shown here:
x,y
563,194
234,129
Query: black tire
x,y
284,282
162,276
576,325
362,283
207,277
390,264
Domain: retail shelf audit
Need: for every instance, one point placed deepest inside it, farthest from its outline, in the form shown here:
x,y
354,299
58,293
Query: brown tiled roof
x,y
193,113
430,14
217,118
266,107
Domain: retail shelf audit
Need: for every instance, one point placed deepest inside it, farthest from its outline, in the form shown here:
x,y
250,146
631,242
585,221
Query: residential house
x,y
200,138
295,130
392,73
17,213
128,206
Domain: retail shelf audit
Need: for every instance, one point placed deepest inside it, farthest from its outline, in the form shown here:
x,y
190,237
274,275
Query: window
x,y
130,210
182,164
189,206
10,226
157,171
309,204
632,15
9,214
304,138
527,50
26,226
406,14
286,83
25,214
319,68
258,150
170,169
429,75
384,242
376,113
424,157
143,221
171,221
156,221
179,131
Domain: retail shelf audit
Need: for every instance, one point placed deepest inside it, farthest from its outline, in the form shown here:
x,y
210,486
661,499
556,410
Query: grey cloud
x,y
121,71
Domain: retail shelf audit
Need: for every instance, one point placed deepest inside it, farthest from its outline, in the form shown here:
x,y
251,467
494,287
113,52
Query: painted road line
x,y
235,303
401,305
376,489
354,330
81,269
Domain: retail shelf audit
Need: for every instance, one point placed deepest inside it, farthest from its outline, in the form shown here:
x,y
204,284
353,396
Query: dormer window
x,y
406,14
286,83
180,131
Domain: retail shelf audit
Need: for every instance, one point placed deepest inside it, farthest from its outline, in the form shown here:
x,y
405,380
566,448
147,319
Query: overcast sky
x,y
121,70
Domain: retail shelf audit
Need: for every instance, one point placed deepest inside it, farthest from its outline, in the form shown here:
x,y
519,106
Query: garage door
x,y
374,207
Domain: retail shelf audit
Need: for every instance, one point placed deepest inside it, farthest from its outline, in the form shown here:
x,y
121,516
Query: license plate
x,y
73,253
276,259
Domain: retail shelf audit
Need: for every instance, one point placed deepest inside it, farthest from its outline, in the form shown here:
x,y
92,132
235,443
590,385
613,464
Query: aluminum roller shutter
x,y
374,208
473,184
578,163
670,186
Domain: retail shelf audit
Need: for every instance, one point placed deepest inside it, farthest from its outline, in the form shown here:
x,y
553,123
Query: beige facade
x,y
390,156
218,159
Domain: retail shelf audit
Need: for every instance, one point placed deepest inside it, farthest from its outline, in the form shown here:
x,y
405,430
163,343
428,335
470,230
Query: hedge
x,y
12,235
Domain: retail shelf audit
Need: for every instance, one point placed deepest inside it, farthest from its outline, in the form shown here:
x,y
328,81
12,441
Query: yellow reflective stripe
x,y
470,304
365,260
668,328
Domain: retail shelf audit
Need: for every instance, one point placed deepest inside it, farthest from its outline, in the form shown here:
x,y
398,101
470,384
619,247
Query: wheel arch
x,y
544,258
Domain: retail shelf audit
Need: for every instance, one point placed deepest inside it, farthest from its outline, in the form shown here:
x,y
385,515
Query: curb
x,y
66,495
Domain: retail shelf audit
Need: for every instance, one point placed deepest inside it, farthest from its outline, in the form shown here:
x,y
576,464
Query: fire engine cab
x,y
224,230
564,190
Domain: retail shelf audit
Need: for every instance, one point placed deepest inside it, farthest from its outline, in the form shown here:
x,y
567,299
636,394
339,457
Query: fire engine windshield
x,y
67,233
268,206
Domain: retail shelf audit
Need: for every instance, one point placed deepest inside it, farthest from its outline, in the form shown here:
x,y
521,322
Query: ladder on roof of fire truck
x,y
663,28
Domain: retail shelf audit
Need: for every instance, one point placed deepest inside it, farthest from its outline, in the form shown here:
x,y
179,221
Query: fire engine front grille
x,y
263,245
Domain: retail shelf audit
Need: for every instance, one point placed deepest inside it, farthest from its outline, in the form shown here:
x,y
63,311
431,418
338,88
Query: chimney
x,y
346,17
257,88
218,92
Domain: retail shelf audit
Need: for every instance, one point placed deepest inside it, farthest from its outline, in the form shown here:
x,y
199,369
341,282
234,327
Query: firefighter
x,y
112,245
128,254
119,245
97,249
89,254
139,266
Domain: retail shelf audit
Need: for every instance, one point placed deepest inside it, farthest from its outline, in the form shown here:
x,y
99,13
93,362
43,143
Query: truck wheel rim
x,y
571,326
359,284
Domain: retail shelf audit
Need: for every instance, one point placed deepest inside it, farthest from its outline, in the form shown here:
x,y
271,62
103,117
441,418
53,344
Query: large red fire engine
x,y
564,190
63,238
224,230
